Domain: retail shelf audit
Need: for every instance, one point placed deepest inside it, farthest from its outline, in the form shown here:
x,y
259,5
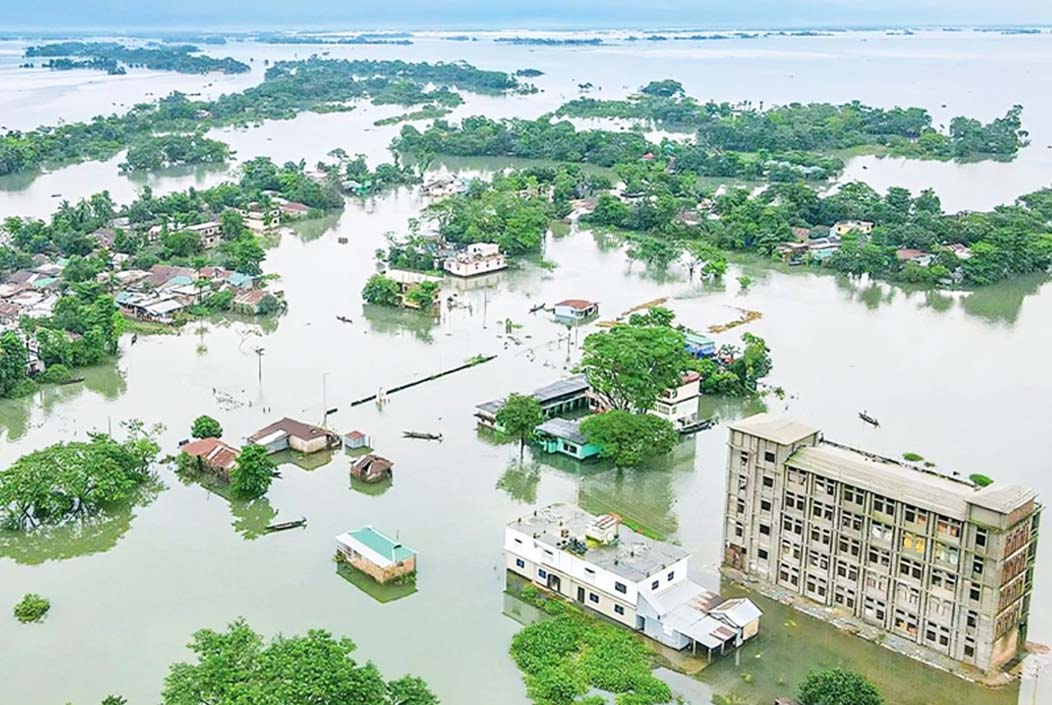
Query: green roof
x,y
385,546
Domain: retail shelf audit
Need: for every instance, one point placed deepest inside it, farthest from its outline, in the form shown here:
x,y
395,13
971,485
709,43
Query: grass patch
x,y
563,657
134,325
428,112
912,457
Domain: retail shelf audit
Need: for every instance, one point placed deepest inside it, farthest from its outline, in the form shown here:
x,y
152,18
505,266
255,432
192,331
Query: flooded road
x,y
959,378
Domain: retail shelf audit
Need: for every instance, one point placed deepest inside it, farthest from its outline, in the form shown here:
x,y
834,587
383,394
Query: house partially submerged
x,y
679,405
354,440
564,436
477,258
625,576
575,311
289,434
698,345
381,558
213,455
558,398
372,468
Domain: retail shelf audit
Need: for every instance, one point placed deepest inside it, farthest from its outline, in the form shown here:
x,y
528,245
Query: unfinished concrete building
x,y
926,556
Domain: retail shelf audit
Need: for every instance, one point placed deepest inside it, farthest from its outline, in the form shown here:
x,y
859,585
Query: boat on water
x,y
868,419
422,436
286,525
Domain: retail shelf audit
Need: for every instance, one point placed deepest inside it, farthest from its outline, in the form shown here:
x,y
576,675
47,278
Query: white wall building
x,y
679,405
632,579
477,258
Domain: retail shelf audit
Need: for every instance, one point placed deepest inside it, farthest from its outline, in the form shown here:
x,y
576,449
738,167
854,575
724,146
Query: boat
x,y
286,525
422,436
72,380
538,307
868,419
702,425
344,319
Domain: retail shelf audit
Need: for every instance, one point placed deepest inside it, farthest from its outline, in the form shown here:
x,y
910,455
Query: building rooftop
x,y
380,549
922,488
579,304
570,386
289,427
780,429
564,428
631,556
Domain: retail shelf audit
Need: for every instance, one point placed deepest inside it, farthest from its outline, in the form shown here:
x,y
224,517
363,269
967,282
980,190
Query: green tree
x,y
206,427
32,608
13,360
838,686
232,224
628,439
239,666
380,290
253,472
631,366
520,414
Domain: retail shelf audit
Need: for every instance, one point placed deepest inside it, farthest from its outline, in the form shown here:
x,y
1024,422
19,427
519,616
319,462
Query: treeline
x,y
157,151
181,58
561,141
820,127
288,89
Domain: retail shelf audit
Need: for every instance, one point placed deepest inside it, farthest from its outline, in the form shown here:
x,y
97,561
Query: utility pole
x,y
324,400
259,356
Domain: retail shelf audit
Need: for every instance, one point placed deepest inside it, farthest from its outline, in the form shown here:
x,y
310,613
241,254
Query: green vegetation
x,y
736,372
359,180
628,439
32,608
113,57
288,89
206,427
630,366
912,457
838,686
239,666
252,473
562,657
381,290
427,112
423,295
72,480
157,151
519,416
980,479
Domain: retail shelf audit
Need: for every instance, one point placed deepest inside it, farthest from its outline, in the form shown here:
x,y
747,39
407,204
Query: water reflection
x,y
83,537
251,517
394,321
520,481
388,592
1001,302
310,230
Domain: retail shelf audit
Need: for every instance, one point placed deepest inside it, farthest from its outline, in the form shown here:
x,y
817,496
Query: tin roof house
x,y
634,580
575,311
380,557
560,397
564,436
289,434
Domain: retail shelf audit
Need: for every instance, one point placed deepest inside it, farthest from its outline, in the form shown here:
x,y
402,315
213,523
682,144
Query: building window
x,y
973,619
913,543
592,597
944,580
670,576
879,558
825,486
977,566
620,587
846,570
765,505
980,538
911,569
654,585
849,521
797,476
820,535
762,554
969,650
765,529
818,560
739,506
768,481
948,527
874,609
915,516
881,532
883,505
542,574
518,540
618,609
822,511
793,526
744,457
795,501
975,593
768,456
519,563
849,546
853,495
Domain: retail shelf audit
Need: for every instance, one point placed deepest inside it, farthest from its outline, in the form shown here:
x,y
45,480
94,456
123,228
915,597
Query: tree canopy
x,y
838,686
253,472
632,365
519,416
628,439
206,427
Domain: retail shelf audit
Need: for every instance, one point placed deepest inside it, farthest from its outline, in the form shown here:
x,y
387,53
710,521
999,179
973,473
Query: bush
x,y
32,608
838,686
912,457
380,290
55,374
206,427
980,479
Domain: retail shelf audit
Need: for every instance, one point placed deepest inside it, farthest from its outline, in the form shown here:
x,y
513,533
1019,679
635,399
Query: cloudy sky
x,y
519,13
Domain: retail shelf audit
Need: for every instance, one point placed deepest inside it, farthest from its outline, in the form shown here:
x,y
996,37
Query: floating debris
x,y
746,317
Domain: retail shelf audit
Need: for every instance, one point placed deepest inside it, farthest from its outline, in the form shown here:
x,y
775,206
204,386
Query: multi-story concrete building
x,y
630,578
929,557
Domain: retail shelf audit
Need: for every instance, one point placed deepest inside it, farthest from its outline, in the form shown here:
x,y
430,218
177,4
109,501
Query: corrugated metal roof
x,y
385,548
564,428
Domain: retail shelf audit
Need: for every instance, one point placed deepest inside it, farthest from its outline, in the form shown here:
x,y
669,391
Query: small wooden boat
x,y
341,240
422,436
538,307
344,319
286,525
868,419
695,427
72,380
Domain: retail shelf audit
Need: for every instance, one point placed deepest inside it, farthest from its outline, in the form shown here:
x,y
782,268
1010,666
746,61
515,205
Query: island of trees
x,y
115,57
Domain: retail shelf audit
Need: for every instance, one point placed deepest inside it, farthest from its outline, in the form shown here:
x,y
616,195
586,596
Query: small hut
x,y
381,558
371,468
354,440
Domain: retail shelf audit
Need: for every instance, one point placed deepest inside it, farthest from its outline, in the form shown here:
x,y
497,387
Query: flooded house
x,y
372,468
636,581
289,434
356,440
698,345
679,405
575,311
562,397
213,456
564,436
477,258
380,557
407,281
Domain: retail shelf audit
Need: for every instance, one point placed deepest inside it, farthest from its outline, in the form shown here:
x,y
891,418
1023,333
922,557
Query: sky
x,y
539,14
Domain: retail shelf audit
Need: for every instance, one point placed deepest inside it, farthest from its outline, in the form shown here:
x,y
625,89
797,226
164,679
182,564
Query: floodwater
x,y
960,378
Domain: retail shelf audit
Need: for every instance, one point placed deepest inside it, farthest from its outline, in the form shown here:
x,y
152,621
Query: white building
x,y
477,258
211,233
679,405
634,580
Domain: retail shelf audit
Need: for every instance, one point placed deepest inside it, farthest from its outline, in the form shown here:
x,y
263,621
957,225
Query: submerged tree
x,y
206,427
253,472
632,365
520,414
838,686
628,439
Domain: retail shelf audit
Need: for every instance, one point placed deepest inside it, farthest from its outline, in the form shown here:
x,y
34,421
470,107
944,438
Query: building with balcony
x,y
928,557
